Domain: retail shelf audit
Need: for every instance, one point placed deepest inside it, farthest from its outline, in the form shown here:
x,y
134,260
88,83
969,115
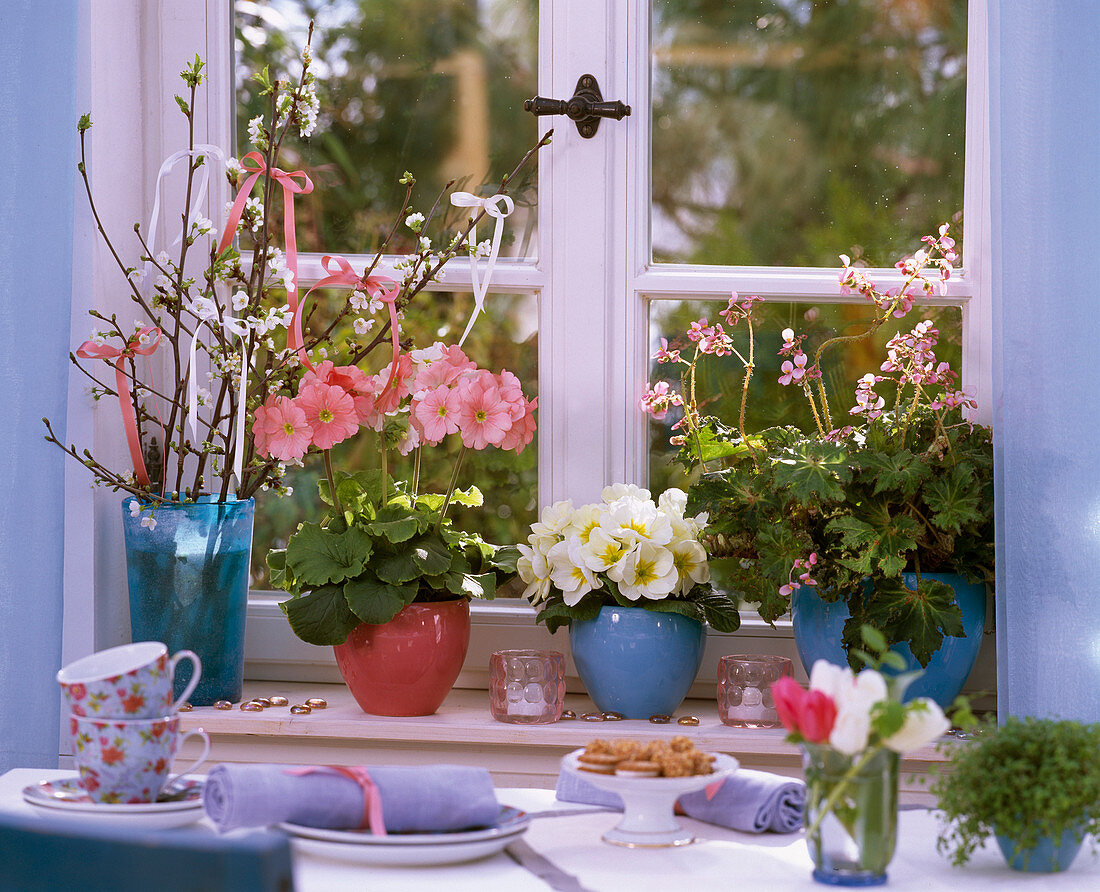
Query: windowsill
x,y
464,732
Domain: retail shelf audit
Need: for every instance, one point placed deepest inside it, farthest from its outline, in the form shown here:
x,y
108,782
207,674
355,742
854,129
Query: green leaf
x,y
85,122
184,107
321,616
920,618
433,501
377,602
471,498
557,614
431,555
673,605
873,638
814,472
276,564
395,523
955,499
318,556
899,472
481,585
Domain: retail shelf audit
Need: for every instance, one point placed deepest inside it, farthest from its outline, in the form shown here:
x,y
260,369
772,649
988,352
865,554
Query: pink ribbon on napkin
x,y
92,350
254,163
380,288
372,799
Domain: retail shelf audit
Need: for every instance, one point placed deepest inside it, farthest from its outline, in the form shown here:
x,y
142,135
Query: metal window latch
x,y
585,108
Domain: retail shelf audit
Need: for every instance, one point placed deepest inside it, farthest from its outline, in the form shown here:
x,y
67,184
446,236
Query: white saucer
x,y
410,849
648,820
65,798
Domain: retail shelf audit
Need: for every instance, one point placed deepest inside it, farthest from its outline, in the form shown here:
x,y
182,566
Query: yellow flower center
x,y
480,415
288,428
325,416
645,573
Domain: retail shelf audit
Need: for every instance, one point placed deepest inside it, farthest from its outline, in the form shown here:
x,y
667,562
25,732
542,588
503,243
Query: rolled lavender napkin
x,y
410,798
750,801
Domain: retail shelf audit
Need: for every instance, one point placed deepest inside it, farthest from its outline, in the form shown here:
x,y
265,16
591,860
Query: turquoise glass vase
x,y
188,581
637,662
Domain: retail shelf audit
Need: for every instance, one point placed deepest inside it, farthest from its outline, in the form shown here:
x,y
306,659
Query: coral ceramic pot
x,y
408,665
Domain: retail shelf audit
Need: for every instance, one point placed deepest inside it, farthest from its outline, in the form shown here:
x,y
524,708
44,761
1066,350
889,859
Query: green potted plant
x,y
852,522
630,579
1032,783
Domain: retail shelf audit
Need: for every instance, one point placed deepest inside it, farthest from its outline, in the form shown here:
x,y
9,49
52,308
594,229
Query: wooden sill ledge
x,y
463,732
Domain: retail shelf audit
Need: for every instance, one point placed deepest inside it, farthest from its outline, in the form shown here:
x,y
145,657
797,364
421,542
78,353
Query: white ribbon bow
x,y
497,206
197,200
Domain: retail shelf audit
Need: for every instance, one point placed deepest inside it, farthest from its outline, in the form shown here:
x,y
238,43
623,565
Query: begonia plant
x,y
901,482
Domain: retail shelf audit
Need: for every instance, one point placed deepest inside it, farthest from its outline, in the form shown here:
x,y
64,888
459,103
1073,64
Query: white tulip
x,y
850,731
924,722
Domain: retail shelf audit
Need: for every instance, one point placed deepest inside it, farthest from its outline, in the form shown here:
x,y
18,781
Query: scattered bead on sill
x,y
593,717
300,709
613,716
660,719
687,720
185,707
223,704
279,701
568,714
251,706
263,701
316,703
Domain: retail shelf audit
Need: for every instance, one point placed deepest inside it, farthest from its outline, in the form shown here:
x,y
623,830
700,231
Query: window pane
x,y
505,336
435,87
719,379
786,131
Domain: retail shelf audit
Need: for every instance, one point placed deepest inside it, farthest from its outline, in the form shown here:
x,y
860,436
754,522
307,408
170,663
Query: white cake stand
x,y
648,820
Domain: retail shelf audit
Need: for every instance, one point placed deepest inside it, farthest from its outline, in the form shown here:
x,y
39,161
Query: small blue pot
x,y
819,628
1046,857
637,662
188,583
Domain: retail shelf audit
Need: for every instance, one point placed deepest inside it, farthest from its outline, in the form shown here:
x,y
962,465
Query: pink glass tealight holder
x,y
744,689
526,687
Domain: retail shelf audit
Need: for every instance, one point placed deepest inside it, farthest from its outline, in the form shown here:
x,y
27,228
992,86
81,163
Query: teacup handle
x,y
196,732
195,674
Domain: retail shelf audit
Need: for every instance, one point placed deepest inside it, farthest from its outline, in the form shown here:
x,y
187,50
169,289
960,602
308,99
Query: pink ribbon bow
x,y
254,163
372,799
92,350
380,288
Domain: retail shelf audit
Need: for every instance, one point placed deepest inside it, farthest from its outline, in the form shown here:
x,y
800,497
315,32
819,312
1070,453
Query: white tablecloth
x,y
722,860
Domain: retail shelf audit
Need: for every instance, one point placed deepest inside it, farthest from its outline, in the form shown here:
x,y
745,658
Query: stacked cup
x,y
124,725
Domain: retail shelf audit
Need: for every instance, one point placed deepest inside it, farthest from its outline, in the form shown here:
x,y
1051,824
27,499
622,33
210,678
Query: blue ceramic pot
x,y
1046,857
637,662
819,627
188,582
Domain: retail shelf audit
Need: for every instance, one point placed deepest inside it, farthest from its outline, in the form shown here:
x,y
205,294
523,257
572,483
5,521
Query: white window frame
x,y
593,355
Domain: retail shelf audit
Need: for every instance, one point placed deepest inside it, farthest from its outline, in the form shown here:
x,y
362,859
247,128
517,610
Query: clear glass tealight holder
x,y
744,689
526,686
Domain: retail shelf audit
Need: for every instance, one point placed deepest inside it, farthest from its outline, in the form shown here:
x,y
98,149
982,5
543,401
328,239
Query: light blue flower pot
x,y
188,582
1046,857
819,627
637,662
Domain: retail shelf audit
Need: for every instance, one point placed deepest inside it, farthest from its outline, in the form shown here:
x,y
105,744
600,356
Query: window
x,y
627,240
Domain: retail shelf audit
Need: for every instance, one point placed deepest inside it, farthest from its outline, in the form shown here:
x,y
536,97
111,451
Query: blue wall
x,y
38,47
1045,137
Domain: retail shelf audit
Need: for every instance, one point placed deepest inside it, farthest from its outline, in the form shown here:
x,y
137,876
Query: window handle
x,y
584,108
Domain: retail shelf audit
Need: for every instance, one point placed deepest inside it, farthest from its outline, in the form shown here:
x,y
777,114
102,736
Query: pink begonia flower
x,y
666,355
330,411
434,414
793,371
698,329
657,400
281,429
484,417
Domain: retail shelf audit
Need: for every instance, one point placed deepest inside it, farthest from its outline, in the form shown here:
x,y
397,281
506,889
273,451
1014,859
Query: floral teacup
x,y
128,761
132,681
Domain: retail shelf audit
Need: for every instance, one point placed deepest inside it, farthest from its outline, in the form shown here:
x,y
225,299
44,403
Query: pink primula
x,y
434,413
523,430
445,370
390,400
330,411
484,416
281,429
349,377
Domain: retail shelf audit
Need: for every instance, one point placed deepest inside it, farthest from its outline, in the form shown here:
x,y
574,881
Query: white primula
x,y
924,722
634,520
568,572
616,491
649,571
554,519
692,568
534,571
673,501
584,520
605,554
